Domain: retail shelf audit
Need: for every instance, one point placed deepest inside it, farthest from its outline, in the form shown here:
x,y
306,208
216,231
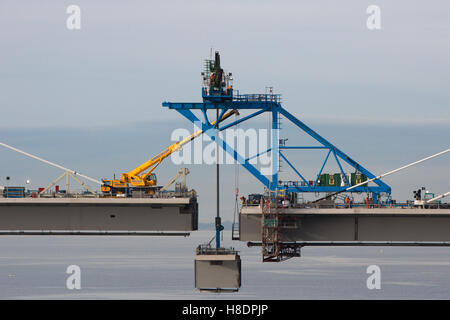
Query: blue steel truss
x,y
262,103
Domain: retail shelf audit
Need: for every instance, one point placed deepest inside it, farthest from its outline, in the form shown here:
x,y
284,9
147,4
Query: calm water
x,y
33,267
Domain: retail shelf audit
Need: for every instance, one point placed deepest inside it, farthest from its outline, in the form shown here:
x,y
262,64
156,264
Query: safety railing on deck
x,y
207,249
258,97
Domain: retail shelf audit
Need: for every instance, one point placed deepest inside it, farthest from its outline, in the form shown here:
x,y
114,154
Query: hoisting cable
x,y
236,190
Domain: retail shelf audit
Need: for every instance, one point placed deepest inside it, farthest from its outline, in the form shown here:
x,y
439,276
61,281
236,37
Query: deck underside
x,y
66,214
359,224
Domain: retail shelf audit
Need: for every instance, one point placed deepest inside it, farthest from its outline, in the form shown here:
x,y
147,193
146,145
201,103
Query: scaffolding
x,y
273,247
269,231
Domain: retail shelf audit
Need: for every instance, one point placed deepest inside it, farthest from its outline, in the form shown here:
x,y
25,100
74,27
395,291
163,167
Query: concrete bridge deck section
x,y
99,214
351,224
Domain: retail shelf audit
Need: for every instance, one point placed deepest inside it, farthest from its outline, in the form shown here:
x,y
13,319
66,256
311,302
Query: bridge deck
x,y
351,224
102,214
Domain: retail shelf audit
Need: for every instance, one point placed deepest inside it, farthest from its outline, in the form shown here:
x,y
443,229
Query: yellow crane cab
x,y
114,187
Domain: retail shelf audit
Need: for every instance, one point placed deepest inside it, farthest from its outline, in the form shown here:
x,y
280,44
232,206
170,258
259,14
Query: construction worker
x,y
347,202
265,204
286,203
366,200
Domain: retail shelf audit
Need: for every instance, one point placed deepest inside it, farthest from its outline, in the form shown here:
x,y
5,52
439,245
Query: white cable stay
x,y
51,163
398,169
439,197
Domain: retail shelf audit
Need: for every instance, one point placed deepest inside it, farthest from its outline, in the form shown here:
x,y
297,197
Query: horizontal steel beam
x,y
91,233
221,105
360,243
299,188
302,147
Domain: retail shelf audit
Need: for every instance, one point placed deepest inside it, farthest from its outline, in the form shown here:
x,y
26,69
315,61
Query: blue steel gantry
x,y
217,98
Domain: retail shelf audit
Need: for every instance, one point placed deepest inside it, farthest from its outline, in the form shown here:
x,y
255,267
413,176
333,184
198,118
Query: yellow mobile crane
x,y
135,180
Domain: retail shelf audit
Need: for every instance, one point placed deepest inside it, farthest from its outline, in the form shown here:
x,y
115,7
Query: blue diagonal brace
x,y
243,119
323,165
293,168
257,155
211,133
340,167
384,187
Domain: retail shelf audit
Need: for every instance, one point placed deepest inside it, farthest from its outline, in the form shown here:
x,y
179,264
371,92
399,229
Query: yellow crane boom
x,y
135,176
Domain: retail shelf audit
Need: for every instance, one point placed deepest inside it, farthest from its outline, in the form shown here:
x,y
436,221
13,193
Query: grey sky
x,y
130,56
107,81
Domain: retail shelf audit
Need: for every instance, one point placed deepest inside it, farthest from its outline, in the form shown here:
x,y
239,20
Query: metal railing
x,y
205,249
310,205
257,97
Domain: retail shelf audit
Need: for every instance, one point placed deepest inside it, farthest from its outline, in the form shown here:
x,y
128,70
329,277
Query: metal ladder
x,y
269,230
273,247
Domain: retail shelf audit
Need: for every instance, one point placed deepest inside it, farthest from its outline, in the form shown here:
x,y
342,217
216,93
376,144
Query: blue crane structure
x,y
219,95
